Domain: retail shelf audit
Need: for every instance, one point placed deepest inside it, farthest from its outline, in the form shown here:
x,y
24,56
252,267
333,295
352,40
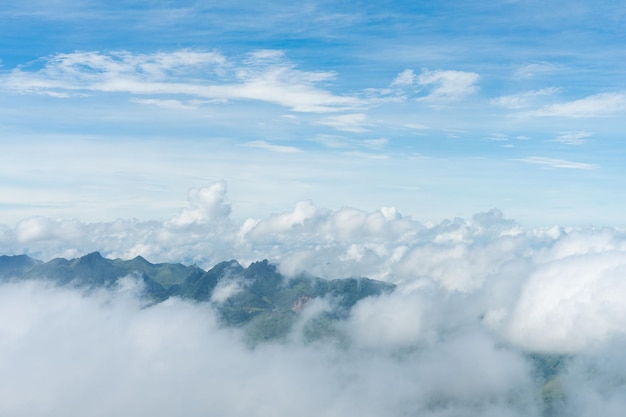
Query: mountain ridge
x,y
258,297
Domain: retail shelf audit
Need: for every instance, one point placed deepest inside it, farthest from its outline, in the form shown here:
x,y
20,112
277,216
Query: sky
x,y
468,152
443,109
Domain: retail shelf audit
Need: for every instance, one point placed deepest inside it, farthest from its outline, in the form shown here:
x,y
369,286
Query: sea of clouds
x,y
476,298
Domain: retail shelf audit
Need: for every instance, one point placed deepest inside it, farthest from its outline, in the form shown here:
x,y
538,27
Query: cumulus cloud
x,y
492,262
475,300
572,304
205,205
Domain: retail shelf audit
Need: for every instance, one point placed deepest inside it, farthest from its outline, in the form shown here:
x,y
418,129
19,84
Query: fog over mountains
x,y
355,313
257,298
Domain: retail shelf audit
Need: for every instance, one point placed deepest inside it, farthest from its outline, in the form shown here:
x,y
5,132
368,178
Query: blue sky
x,y
439,109
471,152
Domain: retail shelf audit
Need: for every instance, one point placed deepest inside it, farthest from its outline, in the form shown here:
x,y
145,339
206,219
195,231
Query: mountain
x,y
93,270
257,298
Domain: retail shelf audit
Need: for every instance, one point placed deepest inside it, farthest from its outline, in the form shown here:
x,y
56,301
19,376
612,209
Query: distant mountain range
x,y
258,297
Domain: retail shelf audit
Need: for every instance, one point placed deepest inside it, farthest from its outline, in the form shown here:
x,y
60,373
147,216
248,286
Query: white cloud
x,y
171,104
261,144
43,229
497,265
573,138
599,105
532,70
354,122
333,141
415,126
393,321
556,163
105,353
277,224
472,296
523,100
379,143
265,76
433,85
367,155
572,304
204,205
405,78
340,142
448,84
498,137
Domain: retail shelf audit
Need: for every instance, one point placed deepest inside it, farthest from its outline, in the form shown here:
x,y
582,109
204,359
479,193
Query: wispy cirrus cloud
x,y
261,144
265,76
439,85
344,143
353,122
556,163
532,70
448,84
573,138
170,103
598,105
523,100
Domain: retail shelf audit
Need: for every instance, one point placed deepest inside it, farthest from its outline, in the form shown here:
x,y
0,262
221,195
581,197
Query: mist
x,y
479,304
66,352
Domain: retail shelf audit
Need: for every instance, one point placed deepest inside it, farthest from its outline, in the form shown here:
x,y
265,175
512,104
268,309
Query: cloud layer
x,y
103,354
522,282
474,298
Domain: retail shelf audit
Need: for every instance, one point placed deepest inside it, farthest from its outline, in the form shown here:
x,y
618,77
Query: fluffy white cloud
x,y
205,205
394,321
487,269
105,353
473,297
572,304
